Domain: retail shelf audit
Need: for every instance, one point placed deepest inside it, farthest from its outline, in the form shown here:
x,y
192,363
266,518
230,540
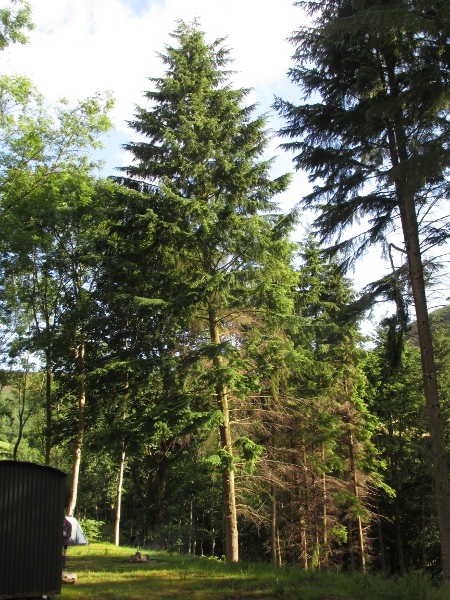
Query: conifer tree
x,y
375,138
216,238
334,435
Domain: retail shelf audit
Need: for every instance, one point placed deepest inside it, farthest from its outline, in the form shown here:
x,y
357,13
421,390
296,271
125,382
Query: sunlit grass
x,y
106,573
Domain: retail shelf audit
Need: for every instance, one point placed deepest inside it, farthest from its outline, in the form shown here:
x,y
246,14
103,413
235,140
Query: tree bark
x,y
23,417
213,532
305,511
48,408
381,542
228,485
397,512
356,492
79,362
324,512
161,479
273,527
119,499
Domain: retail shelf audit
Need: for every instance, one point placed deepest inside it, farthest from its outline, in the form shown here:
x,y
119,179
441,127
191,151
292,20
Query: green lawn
x,y
106,573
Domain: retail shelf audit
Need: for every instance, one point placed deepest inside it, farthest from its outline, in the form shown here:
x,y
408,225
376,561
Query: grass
x,y
106,573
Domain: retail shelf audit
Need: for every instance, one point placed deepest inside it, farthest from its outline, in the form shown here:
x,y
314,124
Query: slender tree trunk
x,y
316,546
161,480
424,534
191,524
398,524
119,498
381,541
273,527
304,543
228,485
303,531
324,512
280,559
48,408
23,418
213,532
194,541
351,545
40,290
356,492
79,362
21,398
121,470
274,537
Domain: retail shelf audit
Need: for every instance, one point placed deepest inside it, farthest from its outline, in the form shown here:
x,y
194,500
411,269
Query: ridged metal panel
x,y
31,520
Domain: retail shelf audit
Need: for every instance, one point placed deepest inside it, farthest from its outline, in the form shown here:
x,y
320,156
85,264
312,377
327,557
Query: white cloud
x,y
79,48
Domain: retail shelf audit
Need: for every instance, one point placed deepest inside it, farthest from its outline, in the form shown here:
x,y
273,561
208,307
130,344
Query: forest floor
x,y
105,572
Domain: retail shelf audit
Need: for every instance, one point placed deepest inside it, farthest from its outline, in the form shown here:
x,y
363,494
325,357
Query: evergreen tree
x,y
216,237
407,521
335,431
376,140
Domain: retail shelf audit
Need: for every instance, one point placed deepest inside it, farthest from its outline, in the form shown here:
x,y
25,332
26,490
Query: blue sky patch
x,y
139,7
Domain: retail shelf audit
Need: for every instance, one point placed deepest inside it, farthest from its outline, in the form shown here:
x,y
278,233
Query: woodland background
x,y
202,377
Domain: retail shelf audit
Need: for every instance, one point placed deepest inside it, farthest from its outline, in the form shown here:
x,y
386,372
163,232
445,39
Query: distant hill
x,y
439,317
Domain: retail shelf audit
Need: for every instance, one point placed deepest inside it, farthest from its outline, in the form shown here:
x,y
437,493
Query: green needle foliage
x,y
374,136
220,252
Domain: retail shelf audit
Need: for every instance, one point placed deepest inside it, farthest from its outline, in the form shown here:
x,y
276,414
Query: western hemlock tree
x,y
376,140
216,241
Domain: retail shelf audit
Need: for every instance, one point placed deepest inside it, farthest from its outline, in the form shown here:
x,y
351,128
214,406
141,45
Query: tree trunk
x,y
324,512
356,492
23,418
191,524
79,362
48,408
161,479
351,545
213,532
381,542
280,559
273,527
121,468
305,510
228,487
21,398
398,532
119,499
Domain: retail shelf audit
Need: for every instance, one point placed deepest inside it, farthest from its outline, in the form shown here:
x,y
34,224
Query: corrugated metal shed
x,y
31,519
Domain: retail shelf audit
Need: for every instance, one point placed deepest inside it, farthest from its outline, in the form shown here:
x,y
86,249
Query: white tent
x,y
77,537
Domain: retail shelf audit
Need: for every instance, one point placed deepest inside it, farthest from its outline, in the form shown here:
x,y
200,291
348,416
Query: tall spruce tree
x,y
375,138
216,240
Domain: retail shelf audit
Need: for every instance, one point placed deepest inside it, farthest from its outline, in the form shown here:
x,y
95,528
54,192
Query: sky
x,y
80,47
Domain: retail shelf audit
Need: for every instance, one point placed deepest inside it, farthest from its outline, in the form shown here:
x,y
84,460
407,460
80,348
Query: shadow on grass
x,y
106,573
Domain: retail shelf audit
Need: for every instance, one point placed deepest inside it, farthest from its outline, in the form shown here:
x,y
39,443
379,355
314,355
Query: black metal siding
x,y
31,520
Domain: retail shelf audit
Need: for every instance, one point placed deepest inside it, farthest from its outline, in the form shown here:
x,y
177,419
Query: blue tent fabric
x,y
77,537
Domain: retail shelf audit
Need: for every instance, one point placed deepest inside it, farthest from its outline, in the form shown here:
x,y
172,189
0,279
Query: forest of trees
x,y
199,373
